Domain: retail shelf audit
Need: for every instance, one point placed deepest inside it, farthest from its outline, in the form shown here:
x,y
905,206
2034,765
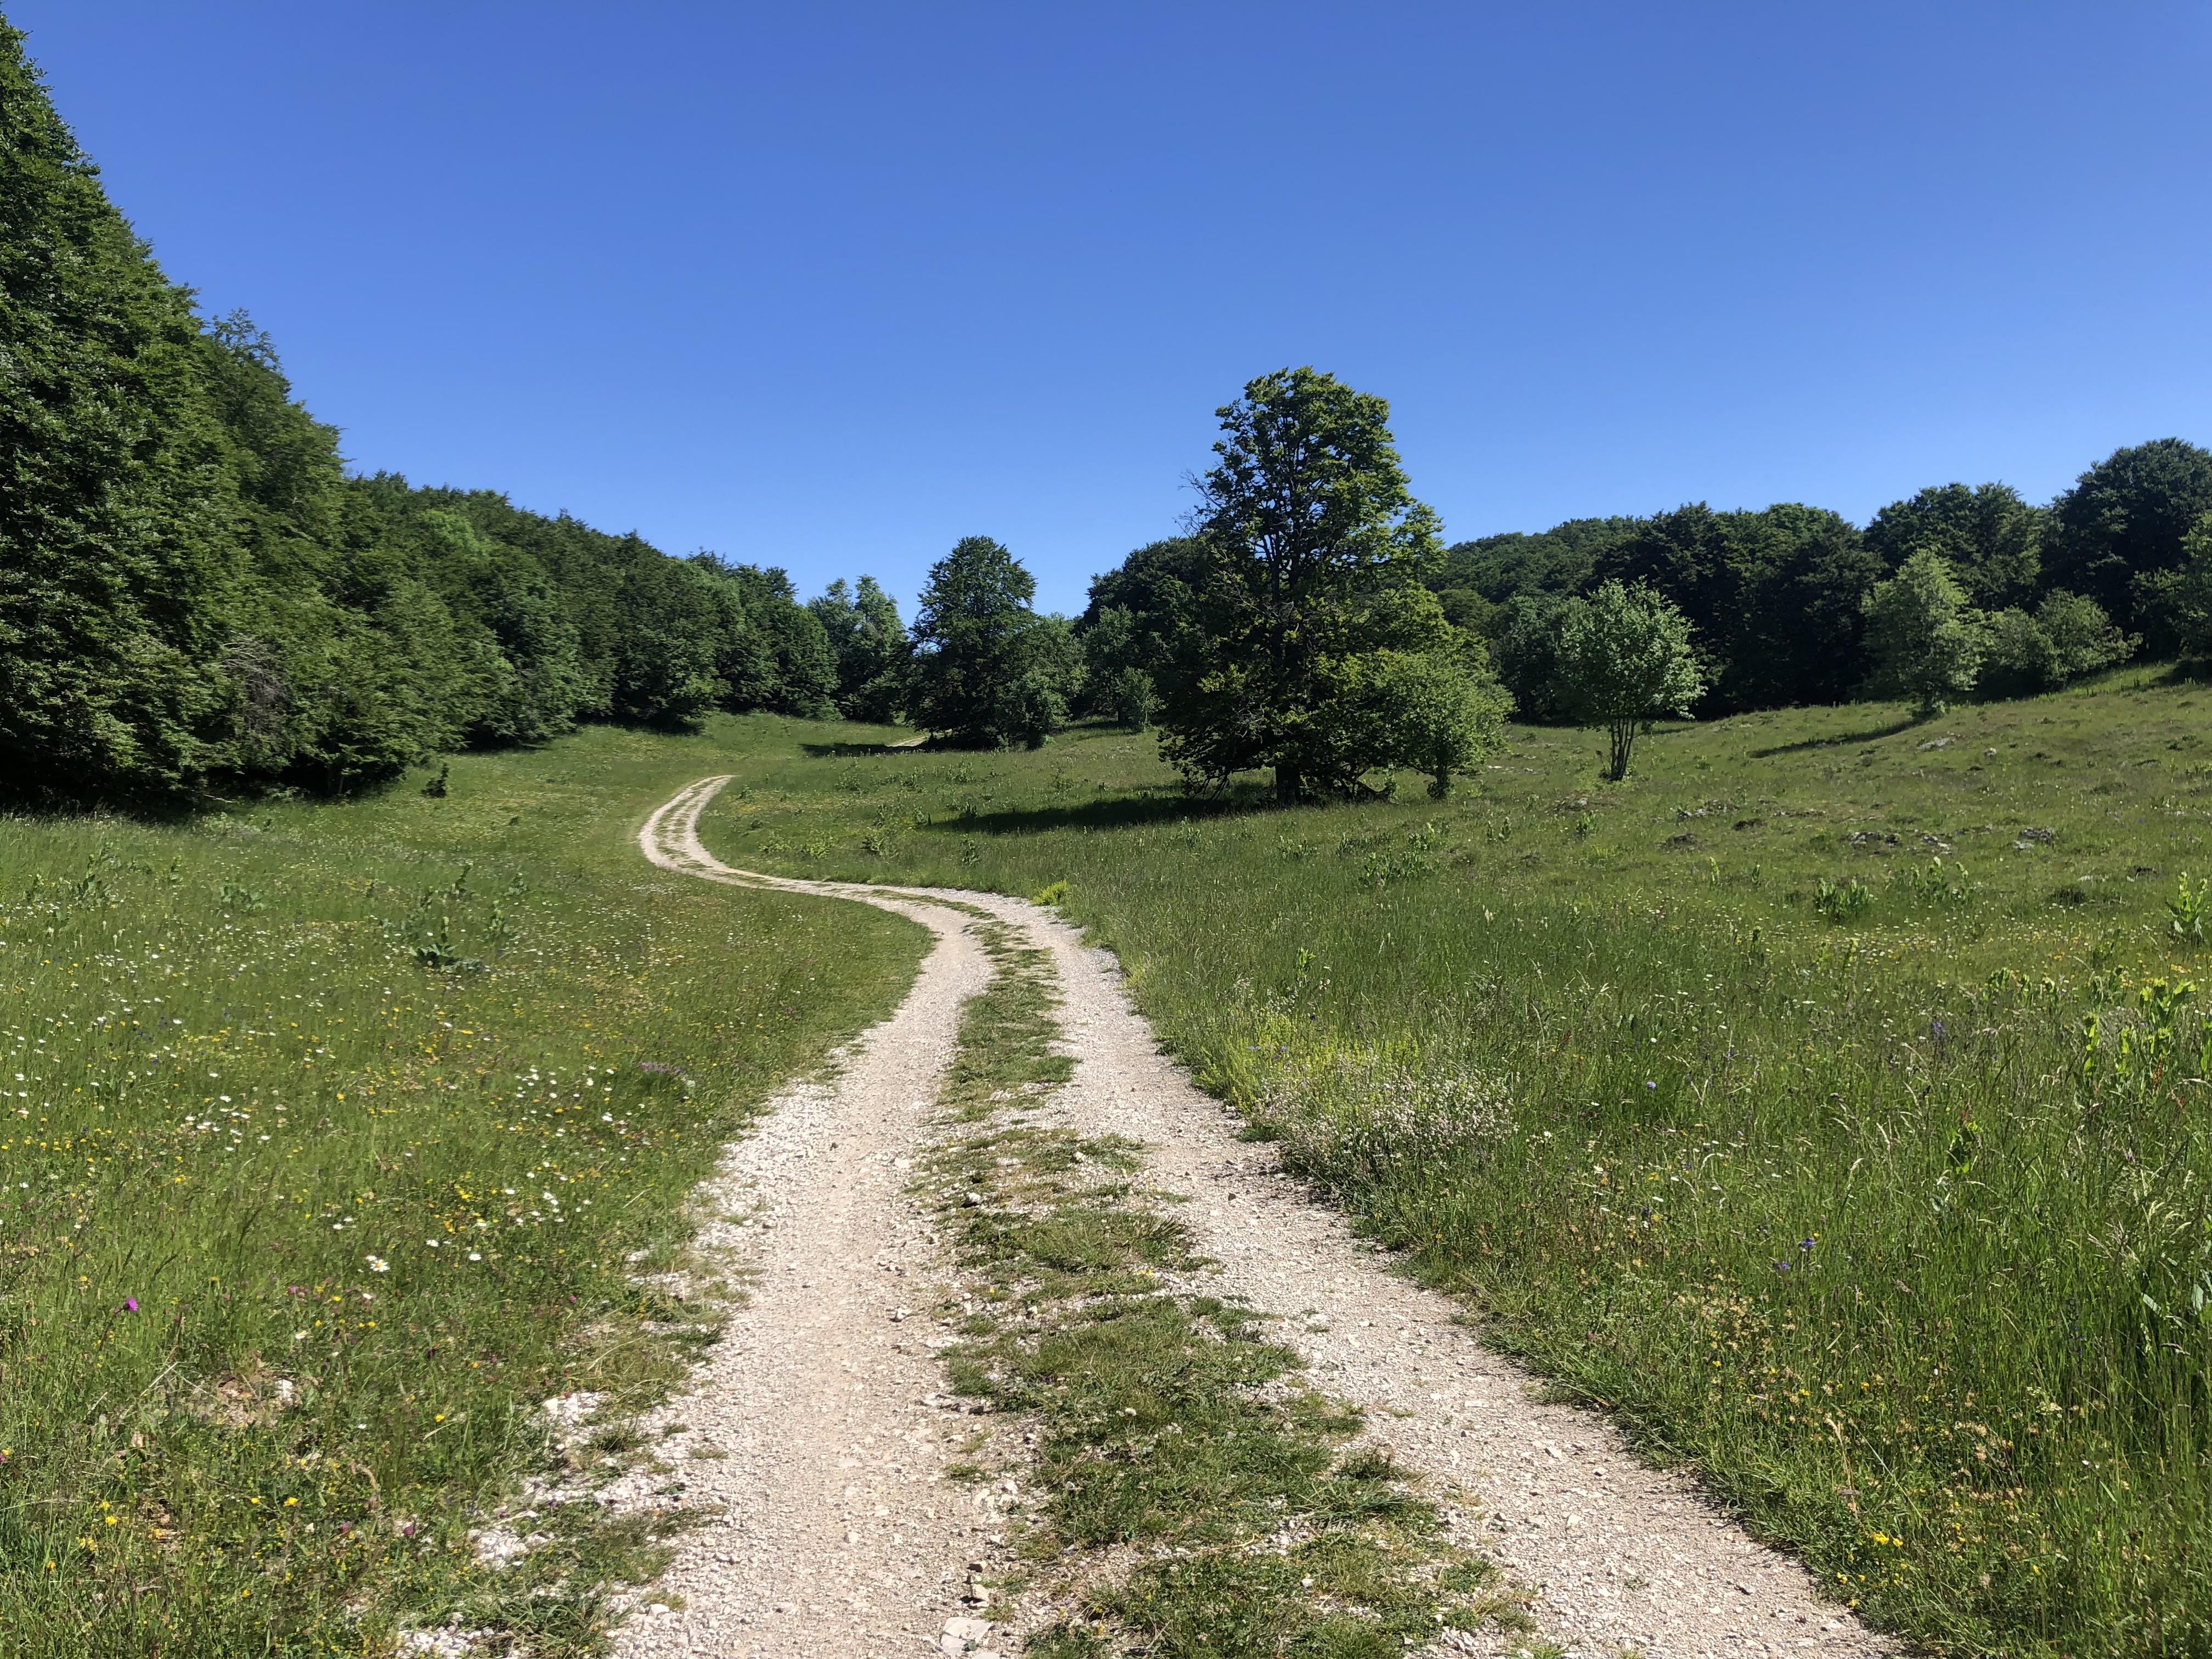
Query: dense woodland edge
x,y
197,597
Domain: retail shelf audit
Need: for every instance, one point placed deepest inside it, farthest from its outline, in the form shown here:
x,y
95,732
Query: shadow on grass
x,y
1872,734
860,751
1116,811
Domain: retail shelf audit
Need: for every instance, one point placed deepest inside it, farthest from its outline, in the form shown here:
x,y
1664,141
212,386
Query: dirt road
x,y
824,1403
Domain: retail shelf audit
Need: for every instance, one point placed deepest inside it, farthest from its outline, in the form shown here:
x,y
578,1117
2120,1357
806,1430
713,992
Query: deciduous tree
x,y
987,670
1312,556
1992,539
1625,660
1923,640
869,645
2122,523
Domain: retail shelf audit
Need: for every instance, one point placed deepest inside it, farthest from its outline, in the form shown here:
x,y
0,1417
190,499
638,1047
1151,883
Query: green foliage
x,y
1311,557
1774,597
2068,637
194,596
1128,696
1991,538
2182,597
1116,682
1524,636
1136,612
987,670
1438,712
1842,901
2122,526
1624,659
1923,643
119,563
795,667
1561,562
869,645
2190,907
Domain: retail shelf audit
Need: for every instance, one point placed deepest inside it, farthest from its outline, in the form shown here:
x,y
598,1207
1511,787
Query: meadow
x,y
333,1139
1825,1102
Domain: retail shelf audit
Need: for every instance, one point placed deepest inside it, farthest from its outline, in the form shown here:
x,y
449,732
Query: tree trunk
x,y
1624,741
1290,786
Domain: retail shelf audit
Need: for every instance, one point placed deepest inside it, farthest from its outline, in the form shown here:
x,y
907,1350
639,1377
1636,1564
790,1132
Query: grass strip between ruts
x,y
1200,1499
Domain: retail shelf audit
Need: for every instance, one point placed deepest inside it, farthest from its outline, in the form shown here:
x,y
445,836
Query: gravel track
x,y
837,1511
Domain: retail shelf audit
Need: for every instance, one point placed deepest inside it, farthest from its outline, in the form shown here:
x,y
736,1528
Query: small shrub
x,y
1842,901
1341,1116
2189,909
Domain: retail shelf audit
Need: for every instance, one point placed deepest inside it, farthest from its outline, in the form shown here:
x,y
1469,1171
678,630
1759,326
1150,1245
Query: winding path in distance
x,y
843,1540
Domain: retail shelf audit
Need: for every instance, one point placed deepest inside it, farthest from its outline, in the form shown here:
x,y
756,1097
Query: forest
x,y
199,597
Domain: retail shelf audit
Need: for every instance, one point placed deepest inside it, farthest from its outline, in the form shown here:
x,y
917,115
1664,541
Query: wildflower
x,y
377,1264
130,1304
432,1243
476,1256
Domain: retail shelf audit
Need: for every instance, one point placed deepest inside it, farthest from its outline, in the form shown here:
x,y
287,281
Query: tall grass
x,y
1828,1102
329,1135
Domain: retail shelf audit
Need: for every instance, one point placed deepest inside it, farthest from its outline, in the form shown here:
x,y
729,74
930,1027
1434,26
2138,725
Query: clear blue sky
x,y
830,285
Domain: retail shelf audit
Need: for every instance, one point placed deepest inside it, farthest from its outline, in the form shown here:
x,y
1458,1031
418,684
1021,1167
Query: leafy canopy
x,y
1924,642
1624,659
987,671
2122,523
1311,557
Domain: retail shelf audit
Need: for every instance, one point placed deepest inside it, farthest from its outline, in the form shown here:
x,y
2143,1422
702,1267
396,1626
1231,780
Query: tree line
x,y
1956,592
1783,601
196,595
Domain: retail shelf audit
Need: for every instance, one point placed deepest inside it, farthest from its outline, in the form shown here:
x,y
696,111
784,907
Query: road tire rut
x,y
816,1392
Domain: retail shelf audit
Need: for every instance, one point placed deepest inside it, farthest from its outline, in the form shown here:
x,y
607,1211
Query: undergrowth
x,y
1201,1501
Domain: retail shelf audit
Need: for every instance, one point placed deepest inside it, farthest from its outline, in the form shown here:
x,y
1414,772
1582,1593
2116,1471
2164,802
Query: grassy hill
x,y
1827,1100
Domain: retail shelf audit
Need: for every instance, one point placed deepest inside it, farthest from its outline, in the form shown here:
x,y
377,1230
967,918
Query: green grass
x,y
331,1137
1170,1429
1729,1106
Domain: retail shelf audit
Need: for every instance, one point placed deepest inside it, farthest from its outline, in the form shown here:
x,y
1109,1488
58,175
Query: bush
x,y
1924,643
1439,711
1625,660
2182,599
2067,636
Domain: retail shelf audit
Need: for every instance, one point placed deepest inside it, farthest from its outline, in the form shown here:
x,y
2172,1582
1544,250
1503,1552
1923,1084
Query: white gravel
x,y
838,1515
